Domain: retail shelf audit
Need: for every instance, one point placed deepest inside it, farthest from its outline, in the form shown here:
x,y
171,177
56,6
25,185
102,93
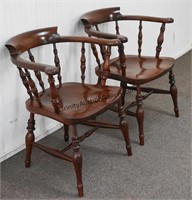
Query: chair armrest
x,y
147,18
100,41
47,69
99,34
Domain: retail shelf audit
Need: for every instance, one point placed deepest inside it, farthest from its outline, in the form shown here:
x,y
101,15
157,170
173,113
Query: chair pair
x,y
73,103
134,70
70,103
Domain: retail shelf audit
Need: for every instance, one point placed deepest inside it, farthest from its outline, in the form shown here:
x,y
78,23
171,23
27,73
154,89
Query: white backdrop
x,y
18,16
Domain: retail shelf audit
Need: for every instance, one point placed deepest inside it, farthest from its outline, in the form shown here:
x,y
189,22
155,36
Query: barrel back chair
x,y
134,69
69,102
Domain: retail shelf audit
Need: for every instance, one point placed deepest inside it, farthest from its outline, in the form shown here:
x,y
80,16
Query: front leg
x,y
29,139
124,128
77,160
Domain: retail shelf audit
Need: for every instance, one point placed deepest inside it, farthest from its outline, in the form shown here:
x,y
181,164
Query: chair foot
x,y
176,112
141,138
27,163
80,190
129,150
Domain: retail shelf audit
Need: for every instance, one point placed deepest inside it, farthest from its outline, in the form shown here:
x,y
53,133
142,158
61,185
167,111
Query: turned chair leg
x,y
66,133
173,91
77,160
124,86
29,139
140,114
124,128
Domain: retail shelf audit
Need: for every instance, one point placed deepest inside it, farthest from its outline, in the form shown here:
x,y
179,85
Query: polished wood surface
x,y
136,68
78,102
70,103
139,70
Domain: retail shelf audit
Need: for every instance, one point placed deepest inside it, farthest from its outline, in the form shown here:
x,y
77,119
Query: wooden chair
x,y
70,103
134,70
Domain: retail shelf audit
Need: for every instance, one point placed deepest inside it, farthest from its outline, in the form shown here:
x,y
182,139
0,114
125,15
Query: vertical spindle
x,y
160,40
83,61
102,47
57,63
54,94
140,37
33,87
37,73
106,69
117,27
25,82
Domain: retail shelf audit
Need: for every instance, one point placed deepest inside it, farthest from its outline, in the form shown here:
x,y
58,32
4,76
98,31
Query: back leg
x,y
66,133
29,139
124,86
140,115
173,91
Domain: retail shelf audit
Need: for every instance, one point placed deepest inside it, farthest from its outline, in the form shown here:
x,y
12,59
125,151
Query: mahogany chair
x,y
70,103
134,70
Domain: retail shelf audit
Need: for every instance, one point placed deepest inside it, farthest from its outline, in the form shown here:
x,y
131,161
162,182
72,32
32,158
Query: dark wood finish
x,y
70,103
135,69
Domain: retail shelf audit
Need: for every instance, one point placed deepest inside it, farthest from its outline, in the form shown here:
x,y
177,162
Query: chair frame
x,y
91,21
24,42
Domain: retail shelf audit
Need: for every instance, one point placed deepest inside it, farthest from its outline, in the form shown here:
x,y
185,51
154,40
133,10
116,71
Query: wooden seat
x,y
134,69
69,102
78,102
